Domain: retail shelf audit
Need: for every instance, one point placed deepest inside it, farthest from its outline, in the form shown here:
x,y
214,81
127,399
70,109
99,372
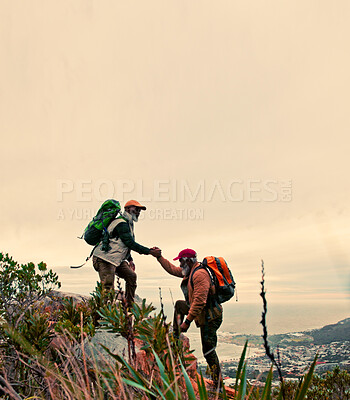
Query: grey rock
x,y
94,351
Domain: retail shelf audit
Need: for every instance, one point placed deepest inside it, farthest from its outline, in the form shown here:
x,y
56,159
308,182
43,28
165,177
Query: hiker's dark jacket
x,y
198,295
122,241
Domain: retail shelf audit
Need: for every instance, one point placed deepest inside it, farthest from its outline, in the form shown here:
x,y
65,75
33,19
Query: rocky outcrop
x,y
94,347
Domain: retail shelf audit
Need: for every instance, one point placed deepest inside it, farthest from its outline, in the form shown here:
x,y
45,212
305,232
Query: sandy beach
x,y
225,351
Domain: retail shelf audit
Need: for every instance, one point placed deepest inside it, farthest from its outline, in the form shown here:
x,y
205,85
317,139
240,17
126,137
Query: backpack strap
x,y
112,231
211,300
200,266
87,259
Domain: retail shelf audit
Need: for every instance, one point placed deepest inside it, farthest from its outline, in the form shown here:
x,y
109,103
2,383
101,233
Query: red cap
x,y
135,204
186,253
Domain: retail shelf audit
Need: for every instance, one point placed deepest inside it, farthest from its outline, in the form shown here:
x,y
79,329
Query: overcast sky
x,y
229,120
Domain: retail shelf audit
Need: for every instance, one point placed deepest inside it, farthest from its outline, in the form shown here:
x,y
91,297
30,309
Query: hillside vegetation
x,y
44,354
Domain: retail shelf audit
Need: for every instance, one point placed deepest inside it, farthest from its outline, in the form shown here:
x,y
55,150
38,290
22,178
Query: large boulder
x,y
94,347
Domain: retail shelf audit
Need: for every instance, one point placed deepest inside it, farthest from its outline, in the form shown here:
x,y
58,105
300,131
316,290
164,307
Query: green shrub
x,y
35,328
75,319
334,385
21,285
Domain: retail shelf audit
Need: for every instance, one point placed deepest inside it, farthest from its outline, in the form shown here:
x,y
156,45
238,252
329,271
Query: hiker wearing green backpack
x,y
116,258
200,305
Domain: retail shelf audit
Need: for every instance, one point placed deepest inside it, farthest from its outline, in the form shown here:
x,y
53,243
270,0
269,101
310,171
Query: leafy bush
x,y
21,286
334,385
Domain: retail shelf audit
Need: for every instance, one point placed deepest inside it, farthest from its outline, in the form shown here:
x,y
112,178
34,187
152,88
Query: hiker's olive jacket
x,y
198,294
122,240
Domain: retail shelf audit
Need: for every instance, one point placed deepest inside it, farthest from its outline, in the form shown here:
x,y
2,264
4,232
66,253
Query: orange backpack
x,y
221,277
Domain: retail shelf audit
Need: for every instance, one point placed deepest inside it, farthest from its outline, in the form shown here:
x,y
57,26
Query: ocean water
x,y
283,318
224,351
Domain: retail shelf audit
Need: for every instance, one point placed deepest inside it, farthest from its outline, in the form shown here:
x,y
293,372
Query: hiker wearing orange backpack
x,y
199,305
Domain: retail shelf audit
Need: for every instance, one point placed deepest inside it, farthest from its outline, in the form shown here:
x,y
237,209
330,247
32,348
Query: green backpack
x,y
96,231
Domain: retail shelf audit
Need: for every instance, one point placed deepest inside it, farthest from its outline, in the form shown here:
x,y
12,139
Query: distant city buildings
x,y
295,360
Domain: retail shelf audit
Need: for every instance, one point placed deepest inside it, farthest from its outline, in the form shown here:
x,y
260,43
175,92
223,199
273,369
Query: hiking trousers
x,y
107,272
209,338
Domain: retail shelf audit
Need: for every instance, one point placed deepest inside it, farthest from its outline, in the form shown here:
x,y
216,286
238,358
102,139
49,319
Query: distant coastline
x,y
230,344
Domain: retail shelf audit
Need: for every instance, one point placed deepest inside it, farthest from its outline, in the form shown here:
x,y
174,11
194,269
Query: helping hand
x,y
156,252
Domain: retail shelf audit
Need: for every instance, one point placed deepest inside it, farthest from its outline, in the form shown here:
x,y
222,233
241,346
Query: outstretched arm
x,y
122,231
169,267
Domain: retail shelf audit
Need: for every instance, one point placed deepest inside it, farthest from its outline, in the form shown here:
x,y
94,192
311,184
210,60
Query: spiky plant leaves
x,y
306,381
142,311
114,319
224,393
266,395
75,318
141,387
189,387
36,329
153,331
136,380
242,389
170,395
240,364
121,360
203,394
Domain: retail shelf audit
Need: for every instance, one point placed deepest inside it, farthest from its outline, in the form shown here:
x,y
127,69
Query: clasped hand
x,y
155,252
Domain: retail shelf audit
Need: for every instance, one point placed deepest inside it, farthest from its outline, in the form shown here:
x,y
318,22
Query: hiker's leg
x,y
181,309
106,271
209,340
125,272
